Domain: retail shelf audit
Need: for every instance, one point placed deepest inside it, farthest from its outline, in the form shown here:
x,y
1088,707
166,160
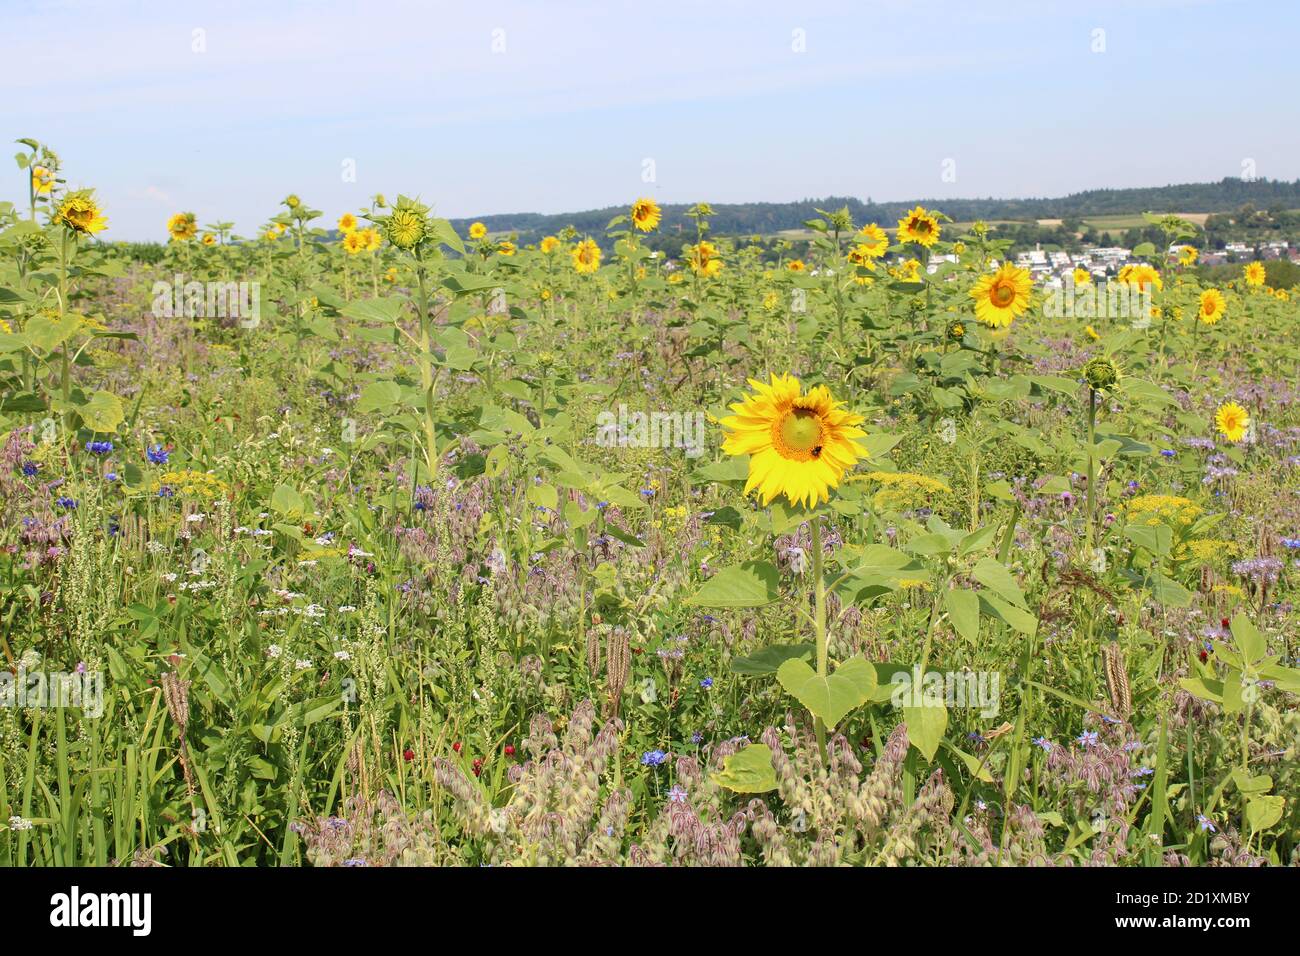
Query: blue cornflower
x,y
706,683
110,476
1044,743
1088,738
1207,825
697,738
157,454
30,469
648,492
165,491
1291,542
653,758
976,737
1167,453
65,502
99,447
602,505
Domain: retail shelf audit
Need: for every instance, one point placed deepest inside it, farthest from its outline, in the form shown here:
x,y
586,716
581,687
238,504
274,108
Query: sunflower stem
x,y
819,620
1092,465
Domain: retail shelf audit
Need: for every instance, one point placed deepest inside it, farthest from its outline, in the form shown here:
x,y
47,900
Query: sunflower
x,y
770,301
1282,295
347,223
505,248
271,234
477,230
1254,273
645,214
1141,276
353,242
800,443
42,180
391,274
873,241
1002,296
548,244
182,226
371,238
909,271
209,239
1213,306
704,259
586,256
1081,277
292,201
795,265
1188,255
80,213
1232,421
407,226
919,226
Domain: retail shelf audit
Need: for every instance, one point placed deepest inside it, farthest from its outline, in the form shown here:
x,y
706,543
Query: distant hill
x,y
771,217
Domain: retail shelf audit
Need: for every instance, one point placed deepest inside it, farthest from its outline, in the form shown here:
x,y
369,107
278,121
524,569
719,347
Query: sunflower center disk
x,y
801,431
1003,294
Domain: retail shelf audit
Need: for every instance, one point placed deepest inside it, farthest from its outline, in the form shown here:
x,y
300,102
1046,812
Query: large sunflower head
x,y
645,214
1255,273
799,443
79,212
182,226
586,256
919,226
1232,421
1213,305
1002,296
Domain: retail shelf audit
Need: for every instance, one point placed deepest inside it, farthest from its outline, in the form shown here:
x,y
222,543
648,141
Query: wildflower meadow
x,y
369,540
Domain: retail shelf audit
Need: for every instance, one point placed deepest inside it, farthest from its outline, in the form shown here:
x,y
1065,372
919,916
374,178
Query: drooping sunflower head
x,y
505,248
347,223
1213,305
408,224
80,213
1000,297
645,214
919,226
704,259
182,226
1232,421
548,244
477,230
872,240
799,442
1254,273
586,256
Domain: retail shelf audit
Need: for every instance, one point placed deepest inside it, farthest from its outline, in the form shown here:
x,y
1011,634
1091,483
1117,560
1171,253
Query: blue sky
x,y
552,105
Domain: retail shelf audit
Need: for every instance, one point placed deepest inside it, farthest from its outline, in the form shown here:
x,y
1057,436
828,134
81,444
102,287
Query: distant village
x,y
1050,268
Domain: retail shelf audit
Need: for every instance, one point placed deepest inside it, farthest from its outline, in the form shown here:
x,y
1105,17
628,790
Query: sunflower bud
x,y
292,201
407,226
1101,373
